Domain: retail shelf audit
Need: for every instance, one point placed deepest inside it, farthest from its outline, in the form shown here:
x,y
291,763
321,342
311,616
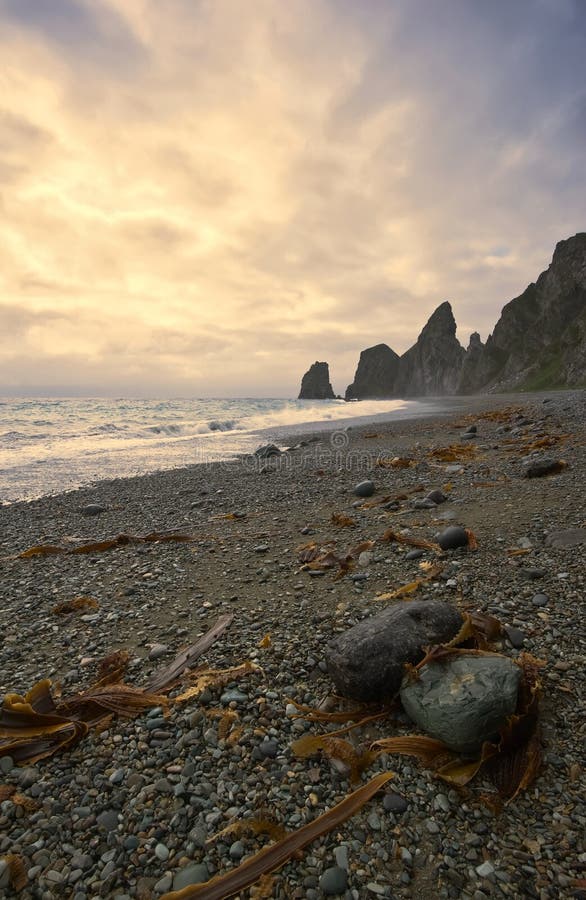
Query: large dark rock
x,y
539,341
367,661
315,384
463,700
432,366
376,374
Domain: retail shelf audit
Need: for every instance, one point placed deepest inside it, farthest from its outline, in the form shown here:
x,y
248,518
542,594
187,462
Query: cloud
x,y
204,197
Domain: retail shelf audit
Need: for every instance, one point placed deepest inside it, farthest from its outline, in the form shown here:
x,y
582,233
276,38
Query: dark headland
x,y
538,343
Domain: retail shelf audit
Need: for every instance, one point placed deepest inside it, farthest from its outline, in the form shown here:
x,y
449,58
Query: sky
x,y
203,197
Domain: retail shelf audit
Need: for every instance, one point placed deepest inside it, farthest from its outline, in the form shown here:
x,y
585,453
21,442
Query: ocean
x,y
52,445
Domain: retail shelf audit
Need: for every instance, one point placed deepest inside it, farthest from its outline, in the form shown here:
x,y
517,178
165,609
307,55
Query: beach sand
x,y
122,813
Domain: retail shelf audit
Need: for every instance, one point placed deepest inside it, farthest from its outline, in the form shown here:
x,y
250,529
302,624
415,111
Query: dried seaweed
x,y
396,462
391,536
113,666
311,714
407,590
205,678
69,606
273,857
167,677
38,725
335,747
454,453
121,540
343,521
16,871
239,827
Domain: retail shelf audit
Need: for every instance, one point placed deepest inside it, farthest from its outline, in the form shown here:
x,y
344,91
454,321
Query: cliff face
x,y
315,384
538,342
376,374
432,366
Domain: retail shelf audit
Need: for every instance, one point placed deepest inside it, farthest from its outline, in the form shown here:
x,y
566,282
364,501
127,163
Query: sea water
x,y
52,445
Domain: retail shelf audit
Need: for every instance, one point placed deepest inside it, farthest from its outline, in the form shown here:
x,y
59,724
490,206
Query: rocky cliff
x,y
432,366
376,374
315,384
539,340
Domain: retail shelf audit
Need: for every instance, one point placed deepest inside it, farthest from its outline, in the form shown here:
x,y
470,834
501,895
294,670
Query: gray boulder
x,y
266,451
572,537
367,661
463,700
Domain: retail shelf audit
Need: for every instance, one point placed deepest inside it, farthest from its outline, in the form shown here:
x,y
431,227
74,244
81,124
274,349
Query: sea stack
x,y
315,384
376,374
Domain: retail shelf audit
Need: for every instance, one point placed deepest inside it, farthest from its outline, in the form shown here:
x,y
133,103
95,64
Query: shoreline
x,y
127,810
284,435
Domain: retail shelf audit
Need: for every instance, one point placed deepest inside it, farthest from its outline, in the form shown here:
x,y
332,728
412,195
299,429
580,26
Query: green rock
x,y
463,700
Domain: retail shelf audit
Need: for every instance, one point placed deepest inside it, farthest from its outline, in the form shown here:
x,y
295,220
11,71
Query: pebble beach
x,y
134,809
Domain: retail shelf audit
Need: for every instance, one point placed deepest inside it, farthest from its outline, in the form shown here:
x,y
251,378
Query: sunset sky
x,y
202,197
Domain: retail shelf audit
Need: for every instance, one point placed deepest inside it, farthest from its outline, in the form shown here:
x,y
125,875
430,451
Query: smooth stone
x,y
234,696
366,662
341,857
92,509
472,429
452,537
572,537
237,850
163,885
515,636
333,881
485,870
158,650
426,503
6,764
437,496
266,451
196,873
414,554
108,819
162,852
395,803
534,573
540,600
463,700
540,467
364,489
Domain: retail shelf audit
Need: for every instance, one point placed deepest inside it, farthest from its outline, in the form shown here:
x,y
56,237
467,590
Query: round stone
x,y
364,489
453,537
196,873
437,496
92,509
333,881
540,600
395,803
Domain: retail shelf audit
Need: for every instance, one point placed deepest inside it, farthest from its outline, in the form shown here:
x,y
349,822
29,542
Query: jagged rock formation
x,y
540,339
376,374
315,384
471,362
539,342
432,366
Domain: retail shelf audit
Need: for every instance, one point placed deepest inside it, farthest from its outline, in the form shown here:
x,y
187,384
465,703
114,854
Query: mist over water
x,y
51,445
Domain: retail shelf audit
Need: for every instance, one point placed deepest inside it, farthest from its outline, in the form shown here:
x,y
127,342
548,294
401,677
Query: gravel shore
x,y
129,812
